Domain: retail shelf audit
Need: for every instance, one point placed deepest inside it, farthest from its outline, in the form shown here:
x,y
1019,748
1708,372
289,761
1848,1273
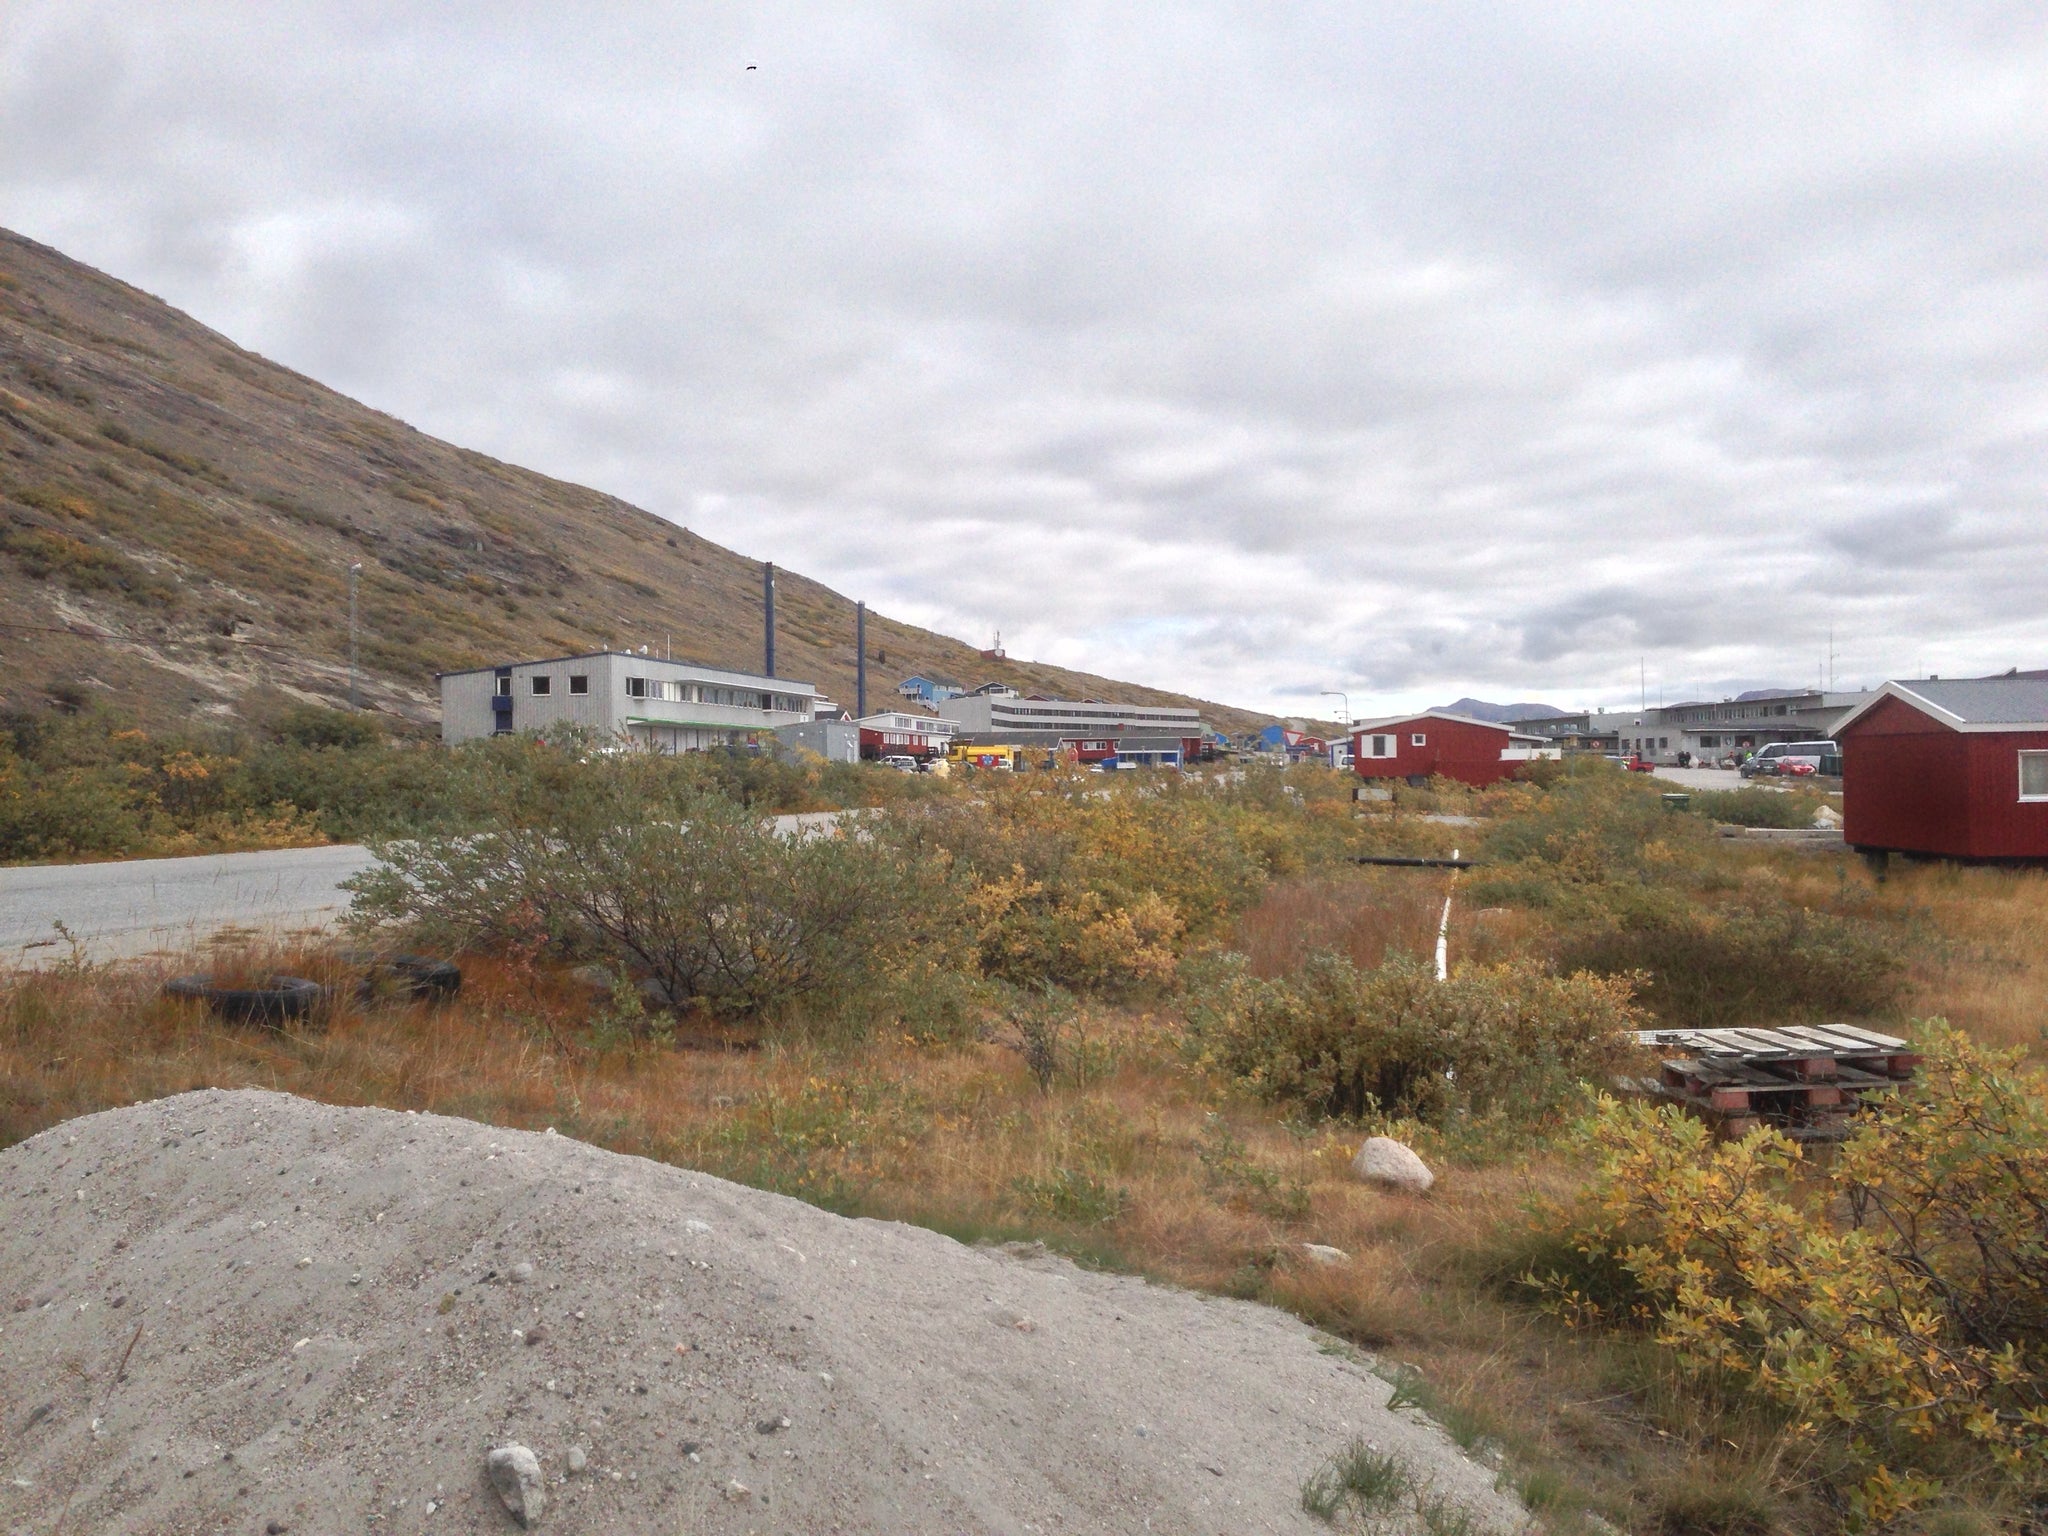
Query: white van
x,y
1793,758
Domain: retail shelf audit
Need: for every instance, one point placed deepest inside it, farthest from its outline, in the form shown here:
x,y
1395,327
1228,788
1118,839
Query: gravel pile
x,y
330,1318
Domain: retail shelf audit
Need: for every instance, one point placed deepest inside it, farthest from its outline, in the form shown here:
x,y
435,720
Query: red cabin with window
x,y
1952,768
1415,747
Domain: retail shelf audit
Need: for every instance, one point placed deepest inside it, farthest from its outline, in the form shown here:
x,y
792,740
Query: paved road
x,y
137,906
134,907
1708,778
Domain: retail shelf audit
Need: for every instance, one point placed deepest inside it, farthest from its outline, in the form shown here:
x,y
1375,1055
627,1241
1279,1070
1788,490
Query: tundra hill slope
x,y
178,515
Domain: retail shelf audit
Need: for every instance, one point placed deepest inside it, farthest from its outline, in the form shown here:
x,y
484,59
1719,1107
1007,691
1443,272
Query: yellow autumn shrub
x,y
1892,1298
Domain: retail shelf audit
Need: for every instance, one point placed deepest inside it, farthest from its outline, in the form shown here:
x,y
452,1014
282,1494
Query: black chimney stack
x,y
860,661
768,603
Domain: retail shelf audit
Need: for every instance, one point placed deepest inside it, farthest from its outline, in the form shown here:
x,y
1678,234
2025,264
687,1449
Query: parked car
x,y
902,763
1639,764
1775,758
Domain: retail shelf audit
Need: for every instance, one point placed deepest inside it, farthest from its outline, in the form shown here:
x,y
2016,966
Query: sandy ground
x,y
326,1328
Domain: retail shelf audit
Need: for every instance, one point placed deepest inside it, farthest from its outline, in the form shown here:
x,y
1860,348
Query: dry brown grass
x,y
1131,1160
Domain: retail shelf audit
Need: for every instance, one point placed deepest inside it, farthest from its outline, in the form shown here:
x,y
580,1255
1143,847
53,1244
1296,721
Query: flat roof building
x,y
1143,732
668,706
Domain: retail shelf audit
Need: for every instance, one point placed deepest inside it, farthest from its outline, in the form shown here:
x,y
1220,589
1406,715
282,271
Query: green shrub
x,y
1704,966
1510,1039
1758,807
625,860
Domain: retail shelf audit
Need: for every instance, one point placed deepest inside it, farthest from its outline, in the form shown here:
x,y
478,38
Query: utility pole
x,y
1334,693
768,616
355,689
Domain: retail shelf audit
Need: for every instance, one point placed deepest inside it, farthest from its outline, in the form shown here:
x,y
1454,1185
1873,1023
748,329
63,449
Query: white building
x,y
670,706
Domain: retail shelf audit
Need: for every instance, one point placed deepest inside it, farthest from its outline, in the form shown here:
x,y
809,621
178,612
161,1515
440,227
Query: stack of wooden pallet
x,y
1805,1079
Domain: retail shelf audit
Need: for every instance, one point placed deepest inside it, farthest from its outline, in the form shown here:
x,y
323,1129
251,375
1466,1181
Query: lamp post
x,y
1334,693
355,692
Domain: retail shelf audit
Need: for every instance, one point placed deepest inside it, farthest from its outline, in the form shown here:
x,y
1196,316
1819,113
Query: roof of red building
x,y
1427,714
1364,726
2012,703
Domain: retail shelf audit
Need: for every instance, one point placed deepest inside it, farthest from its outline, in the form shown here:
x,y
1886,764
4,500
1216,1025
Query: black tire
x,y
276,1003
412,977
425,976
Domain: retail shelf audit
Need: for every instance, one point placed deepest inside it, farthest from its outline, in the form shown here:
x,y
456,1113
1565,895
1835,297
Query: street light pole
x,y
355,692
1335,693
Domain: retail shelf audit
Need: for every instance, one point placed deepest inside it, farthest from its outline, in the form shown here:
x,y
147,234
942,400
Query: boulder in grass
x,y
1391,1165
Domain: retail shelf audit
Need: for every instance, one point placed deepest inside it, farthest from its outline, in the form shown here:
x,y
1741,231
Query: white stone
x,y
578,1460
1391,1165
515,1473
1323,1253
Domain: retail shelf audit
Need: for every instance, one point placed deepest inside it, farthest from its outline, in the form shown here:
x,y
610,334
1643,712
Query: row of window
x,y
579,683
674,691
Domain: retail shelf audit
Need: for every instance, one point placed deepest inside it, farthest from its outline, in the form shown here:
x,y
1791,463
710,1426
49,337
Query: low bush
x,y
1511,1039
1894,1301
1703,965
1758,807
624,861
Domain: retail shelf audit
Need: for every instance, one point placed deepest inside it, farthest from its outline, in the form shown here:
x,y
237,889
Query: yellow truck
x,y
967,756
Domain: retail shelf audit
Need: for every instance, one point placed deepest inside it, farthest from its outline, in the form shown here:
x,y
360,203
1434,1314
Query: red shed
x,y
1956,768
1414,747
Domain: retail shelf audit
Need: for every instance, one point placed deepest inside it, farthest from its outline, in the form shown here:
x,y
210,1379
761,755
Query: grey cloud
x,y
1448,349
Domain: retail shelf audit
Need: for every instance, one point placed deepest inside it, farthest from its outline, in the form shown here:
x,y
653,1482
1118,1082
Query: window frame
x,y
579,684
1418,738
541,686
2025,757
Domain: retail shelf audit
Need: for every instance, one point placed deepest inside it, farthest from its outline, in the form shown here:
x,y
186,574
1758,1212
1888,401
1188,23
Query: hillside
x,y
178,515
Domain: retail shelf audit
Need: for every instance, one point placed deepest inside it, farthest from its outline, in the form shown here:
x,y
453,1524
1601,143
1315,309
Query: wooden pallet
x,y
1807,1080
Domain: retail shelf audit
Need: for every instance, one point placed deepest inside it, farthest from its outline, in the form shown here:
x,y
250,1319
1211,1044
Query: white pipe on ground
x,y
1443,931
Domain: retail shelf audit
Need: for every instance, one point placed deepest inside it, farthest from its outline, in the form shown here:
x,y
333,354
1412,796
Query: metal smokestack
x,y
768,616
860,661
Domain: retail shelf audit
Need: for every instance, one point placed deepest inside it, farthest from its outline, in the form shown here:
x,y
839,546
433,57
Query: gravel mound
x,y
330,1317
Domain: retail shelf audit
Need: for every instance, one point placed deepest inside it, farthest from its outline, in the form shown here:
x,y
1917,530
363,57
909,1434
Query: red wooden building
x,y
1954,768
1413,747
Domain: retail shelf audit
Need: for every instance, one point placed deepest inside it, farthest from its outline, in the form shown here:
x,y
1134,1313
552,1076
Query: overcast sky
x,y
1406,349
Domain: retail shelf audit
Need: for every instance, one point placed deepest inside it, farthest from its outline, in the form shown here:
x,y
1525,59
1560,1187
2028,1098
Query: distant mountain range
x,y
1479,709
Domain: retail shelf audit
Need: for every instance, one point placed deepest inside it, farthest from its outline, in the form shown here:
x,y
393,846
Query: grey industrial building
x,y
1130,732
1708,729
669,706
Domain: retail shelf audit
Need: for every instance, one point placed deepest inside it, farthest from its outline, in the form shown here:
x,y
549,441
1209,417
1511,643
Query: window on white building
x,y
504,688
579,682
542,686
2034,775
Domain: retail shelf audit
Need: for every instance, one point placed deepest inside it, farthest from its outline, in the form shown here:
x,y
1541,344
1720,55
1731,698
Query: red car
x,y
1640,764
